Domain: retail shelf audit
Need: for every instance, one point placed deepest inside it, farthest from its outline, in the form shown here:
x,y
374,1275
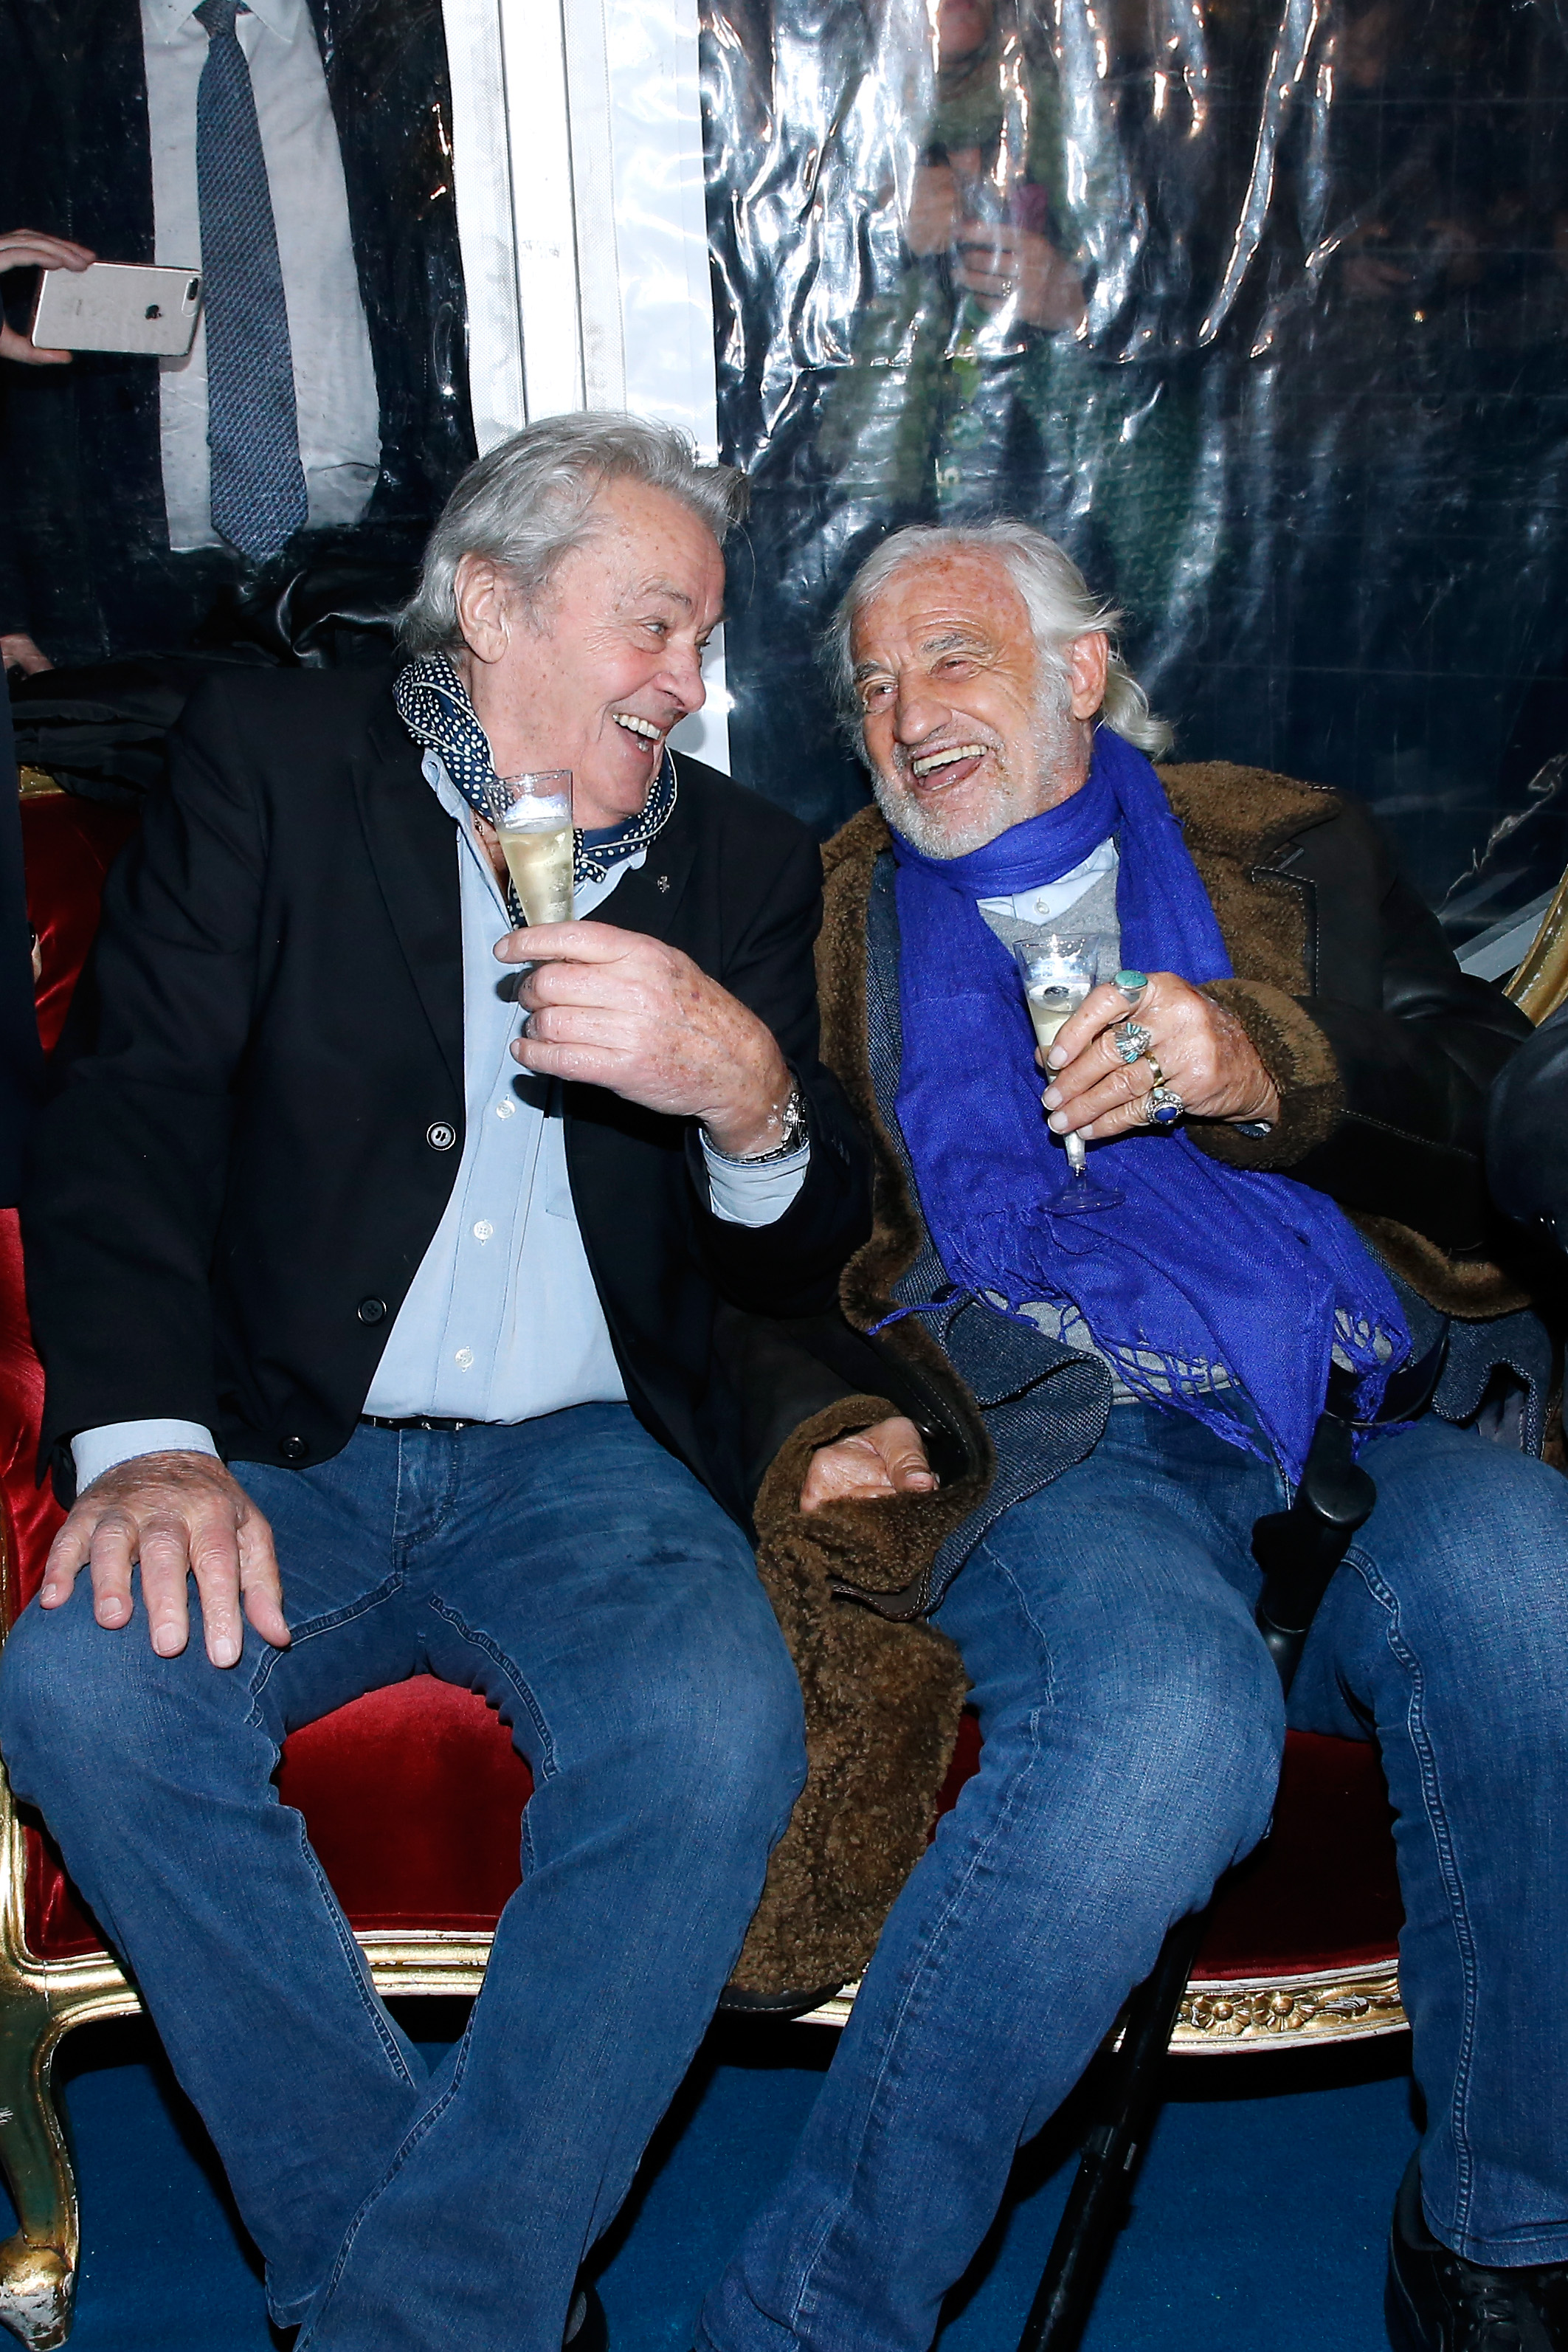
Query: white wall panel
x,y
579,162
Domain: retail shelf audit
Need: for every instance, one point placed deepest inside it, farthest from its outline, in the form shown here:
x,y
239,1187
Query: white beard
x,y
1054,753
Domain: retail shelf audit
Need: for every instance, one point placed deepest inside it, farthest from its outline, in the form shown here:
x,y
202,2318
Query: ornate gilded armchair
x,y
412,1796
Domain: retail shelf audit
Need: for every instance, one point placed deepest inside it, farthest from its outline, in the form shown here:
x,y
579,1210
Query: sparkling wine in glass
x,y
1058,969
532,817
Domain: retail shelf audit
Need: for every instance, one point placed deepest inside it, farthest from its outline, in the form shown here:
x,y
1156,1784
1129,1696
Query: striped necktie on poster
x,y
253,428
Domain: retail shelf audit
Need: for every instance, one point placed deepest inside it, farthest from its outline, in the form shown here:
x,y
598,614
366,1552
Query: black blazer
x,y
258,1120
85,562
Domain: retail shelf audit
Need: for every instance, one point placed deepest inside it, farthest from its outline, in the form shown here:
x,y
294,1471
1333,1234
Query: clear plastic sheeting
x,y
1257,305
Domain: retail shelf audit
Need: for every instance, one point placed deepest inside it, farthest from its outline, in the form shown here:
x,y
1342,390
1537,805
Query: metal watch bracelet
x,y
796,1131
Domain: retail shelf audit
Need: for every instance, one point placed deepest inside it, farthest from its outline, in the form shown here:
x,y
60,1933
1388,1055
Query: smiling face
x,y
962,28
967,734
597,674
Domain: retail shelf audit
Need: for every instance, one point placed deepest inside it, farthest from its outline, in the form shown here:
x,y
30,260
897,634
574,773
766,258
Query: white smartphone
x,y
118,306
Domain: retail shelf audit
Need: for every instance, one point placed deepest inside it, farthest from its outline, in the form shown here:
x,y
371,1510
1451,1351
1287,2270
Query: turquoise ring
x,y
1131,983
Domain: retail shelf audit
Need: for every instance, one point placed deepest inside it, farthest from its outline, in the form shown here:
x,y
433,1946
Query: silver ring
x,y
1133,1041
1163,1107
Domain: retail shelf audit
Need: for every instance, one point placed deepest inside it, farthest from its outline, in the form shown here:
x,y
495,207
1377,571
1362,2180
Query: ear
x,y
1086,659
484,597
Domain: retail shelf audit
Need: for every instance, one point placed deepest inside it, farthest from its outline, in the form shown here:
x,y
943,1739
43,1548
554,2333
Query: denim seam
x,y
1048,1690
313,1626
546,1767
437,1513
405,2149
1437,1823
348,1946
805,2300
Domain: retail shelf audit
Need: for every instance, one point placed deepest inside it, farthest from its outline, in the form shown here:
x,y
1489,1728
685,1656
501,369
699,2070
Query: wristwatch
x,y
796,1131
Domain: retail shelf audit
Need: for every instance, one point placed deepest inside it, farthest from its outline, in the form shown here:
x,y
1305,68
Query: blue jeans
x,y
1132,1727
581,1577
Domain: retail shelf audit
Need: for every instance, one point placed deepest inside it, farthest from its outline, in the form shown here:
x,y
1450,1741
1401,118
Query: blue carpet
x,y
1258,2221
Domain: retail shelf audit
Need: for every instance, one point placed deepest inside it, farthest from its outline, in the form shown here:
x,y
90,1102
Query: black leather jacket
x,y
1527,1132
1416,1043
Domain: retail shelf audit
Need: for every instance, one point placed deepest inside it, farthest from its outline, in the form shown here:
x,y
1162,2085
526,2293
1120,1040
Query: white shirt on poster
x,y
334,375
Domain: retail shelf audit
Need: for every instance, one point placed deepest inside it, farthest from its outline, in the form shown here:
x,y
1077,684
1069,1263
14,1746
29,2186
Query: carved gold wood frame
x,y
1540,983
1218,2015
40,2002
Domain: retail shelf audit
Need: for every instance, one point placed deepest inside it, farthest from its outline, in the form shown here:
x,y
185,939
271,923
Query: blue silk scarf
x,y
1196,1264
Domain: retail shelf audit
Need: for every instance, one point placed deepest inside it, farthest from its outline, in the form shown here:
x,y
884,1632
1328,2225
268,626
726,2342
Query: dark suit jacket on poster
x,y
85,565
264,1133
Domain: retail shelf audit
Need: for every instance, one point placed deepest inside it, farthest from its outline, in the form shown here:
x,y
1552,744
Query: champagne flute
x,y
532,817
1058,969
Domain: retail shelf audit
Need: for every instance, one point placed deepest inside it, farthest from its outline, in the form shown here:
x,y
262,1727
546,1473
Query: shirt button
x,y
293,1449
508,1109
371,1311
483,1230
441,1137
463,1359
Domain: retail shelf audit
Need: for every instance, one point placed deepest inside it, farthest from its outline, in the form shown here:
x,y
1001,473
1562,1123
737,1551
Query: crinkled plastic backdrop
x,y
1258,305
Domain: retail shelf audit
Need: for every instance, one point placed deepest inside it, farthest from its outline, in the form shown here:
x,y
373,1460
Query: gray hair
x,y
1059,602
526,505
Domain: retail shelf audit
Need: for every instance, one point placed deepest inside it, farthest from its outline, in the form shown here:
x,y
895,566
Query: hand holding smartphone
x,y
22,248
118,306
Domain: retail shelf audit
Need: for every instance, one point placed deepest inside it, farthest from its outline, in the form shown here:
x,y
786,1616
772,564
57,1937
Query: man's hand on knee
x,y
180,1514
889,1458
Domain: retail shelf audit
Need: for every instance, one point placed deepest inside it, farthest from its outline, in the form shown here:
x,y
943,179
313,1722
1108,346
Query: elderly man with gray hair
x,y
1277,1250
376,1248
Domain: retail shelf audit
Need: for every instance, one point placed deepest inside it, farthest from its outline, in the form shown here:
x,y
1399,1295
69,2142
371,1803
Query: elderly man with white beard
x,y
1280,1096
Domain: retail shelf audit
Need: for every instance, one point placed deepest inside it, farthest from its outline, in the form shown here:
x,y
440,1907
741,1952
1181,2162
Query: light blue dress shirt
x,y
502,1321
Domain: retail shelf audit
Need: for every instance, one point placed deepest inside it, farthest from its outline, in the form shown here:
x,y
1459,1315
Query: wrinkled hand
x,y
996,263
181,1515
22,248
1366,274
1202,1048
617,1009
889,1458
19,652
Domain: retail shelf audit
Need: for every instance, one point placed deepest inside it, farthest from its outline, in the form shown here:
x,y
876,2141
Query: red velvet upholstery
x,y
70,846
1322,1894
413,1795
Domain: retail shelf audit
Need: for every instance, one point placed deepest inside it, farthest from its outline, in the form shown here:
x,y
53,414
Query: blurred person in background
x,y
301,158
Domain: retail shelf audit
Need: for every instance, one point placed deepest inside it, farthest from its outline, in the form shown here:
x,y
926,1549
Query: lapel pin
x,y
663,882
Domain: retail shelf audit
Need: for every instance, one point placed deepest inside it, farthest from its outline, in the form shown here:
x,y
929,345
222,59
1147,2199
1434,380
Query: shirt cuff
x,y
754,1192
94,1451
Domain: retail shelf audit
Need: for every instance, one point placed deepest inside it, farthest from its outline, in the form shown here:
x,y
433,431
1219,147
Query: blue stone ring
x,y
1131,983
1163,1107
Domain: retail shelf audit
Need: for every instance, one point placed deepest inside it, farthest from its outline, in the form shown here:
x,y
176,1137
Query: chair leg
x,y
38,2265
1097,2199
